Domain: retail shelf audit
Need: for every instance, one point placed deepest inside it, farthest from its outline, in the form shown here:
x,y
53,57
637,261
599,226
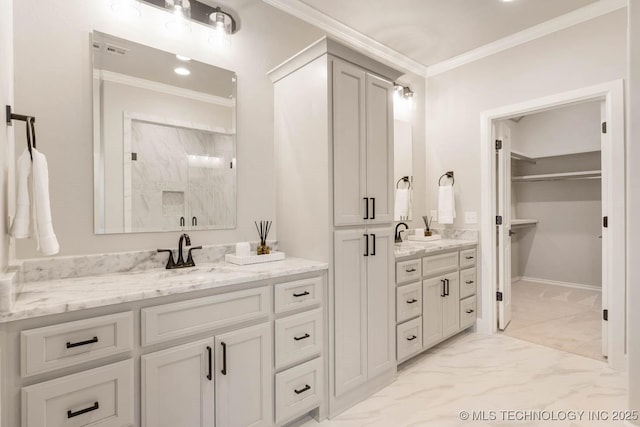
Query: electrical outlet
x,y
471,217
434,215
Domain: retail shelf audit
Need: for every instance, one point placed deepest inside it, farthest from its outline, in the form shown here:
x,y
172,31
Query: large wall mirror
x,y
164,140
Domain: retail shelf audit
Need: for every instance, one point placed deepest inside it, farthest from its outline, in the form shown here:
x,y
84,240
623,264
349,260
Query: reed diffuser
x,y
263,232
427,223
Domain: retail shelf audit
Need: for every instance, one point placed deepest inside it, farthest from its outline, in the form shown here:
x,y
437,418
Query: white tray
x,y
254,258
415,238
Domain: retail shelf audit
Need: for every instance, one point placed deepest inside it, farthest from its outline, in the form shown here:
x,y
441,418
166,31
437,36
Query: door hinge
x,y
604,127
499,296
605,221
605,315
499,220
498,144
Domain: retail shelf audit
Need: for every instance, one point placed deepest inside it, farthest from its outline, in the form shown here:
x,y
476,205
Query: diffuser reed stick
x,y
263,232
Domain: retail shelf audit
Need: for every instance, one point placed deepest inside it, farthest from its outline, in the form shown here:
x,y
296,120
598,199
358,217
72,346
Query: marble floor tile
x,y
560,317
474,372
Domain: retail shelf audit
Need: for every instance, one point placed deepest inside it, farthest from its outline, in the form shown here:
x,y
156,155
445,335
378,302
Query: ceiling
x,y
430,31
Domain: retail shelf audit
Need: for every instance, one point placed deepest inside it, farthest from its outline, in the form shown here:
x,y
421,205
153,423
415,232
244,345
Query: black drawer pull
x,y
95,407
303,389
469,311
411,338
78,344
210,363
412,300
301,295
411,270
304,337
469,257
468,282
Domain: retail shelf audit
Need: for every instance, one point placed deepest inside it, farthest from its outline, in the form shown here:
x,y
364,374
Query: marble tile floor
x,y
473,372
560,317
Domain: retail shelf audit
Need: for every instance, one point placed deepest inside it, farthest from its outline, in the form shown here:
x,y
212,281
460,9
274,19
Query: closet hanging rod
x,y
12,116
566,176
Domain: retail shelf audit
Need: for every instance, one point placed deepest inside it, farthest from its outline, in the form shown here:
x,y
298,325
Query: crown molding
x,y
578,16
348,35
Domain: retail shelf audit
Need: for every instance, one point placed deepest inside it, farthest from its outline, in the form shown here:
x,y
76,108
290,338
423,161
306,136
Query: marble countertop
x,y
413,248
48,297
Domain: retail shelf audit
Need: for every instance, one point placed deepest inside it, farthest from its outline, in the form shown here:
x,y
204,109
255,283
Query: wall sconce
x,y
183,12
403,100
402,91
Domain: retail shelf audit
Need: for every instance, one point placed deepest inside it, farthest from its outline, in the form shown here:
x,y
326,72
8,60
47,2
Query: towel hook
x,y
448,174
404,179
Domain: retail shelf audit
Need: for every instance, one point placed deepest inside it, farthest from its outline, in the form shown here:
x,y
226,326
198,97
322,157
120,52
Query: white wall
x,y
53,82
583,55
6,132
633,213
567,130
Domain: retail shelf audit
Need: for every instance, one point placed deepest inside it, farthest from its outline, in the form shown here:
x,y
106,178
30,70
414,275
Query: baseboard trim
x,y
558,283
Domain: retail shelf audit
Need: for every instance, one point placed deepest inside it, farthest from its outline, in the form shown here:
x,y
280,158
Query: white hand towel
x,y
20,226
47,241
446,205
403,204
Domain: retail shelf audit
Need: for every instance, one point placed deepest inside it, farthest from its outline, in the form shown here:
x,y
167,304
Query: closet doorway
x,y
553,229
550,188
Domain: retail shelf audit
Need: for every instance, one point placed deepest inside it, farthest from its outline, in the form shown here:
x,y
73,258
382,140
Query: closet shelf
x,y
519,156
559,176
523,222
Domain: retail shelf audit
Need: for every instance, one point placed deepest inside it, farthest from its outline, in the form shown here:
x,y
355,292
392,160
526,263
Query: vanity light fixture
x,y
223,26
402,91
126,7
180,20
182,71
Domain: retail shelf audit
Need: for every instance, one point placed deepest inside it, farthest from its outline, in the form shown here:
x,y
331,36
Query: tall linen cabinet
x,y
334,180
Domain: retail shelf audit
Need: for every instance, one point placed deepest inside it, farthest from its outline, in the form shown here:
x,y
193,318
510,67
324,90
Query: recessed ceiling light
x,y
183,58
182,71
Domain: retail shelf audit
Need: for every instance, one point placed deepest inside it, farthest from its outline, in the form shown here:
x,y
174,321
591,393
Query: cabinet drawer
x,y
298,294
437,264
67,344
467,257
467,312
170,321
467,282
407,271
409,337
408,301
98,397
298,390
298,337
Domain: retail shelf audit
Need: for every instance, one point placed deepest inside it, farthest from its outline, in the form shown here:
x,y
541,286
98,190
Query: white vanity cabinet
x,y
444,284
201,359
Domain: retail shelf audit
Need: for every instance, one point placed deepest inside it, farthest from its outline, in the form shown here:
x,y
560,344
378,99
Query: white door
x,y
380,302
351,205
350,283
451,304
433,292
177,386
380,182
605,159
244,386
503,136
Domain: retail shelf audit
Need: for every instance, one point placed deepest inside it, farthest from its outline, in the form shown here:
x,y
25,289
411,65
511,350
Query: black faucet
x,y
398,236
171,264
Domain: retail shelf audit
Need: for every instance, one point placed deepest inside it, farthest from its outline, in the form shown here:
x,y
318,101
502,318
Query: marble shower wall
x,y
181,172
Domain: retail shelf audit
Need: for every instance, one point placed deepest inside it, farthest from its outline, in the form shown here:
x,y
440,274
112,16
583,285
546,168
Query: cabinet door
x,y
349,140
381,339
432,296
451,305
177,386
380,149
350,284
244,394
